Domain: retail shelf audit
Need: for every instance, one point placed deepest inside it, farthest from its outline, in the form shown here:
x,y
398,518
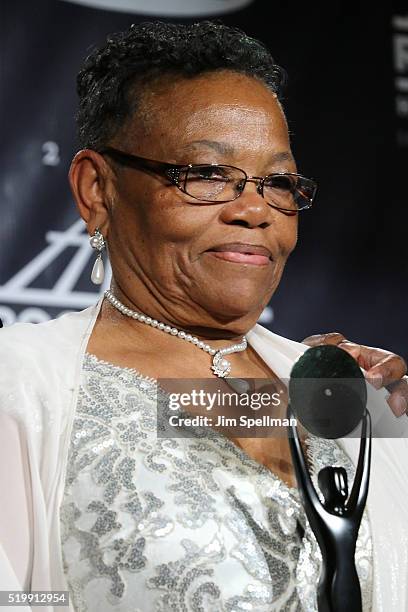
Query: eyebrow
x,y
225,149
221,147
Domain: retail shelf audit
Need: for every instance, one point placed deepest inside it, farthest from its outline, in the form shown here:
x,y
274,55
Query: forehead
x,y
223,104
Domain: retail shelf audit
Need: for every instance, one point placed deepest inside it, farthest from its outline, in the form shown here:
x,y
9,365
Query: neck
x,y
218,335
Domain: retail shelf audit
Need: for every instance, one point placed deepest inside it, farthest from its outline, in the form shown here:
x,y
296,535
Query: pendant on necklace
x,y
221,366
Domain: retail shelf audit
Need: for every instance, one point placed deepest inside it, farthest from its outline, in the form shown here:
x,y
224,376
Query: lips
x,y
239,252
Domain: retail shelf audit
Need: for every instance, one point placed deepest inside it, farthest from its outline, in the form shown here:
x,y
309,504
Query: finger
x,y
389,369
358,352
374,376
373,356
352,348
318,339
398,400
336,339
382,367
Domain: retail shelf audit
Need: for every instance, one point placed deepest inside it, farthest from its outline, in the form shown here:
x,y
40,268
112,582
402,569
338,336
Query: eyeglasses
x,y
218,183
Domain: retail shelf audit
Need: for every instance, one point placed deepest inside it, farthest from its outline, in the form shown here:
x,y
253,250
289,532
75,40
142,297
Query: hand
x,y
383,368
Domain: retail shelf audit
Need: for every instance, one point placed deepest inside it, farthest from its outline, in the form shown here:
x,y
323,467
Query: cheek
x,y
153,216
170,231
176,220
287,235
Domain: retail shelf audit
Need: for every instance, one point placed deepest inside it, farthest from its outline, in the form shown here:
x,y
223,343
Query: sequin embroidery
x,y
181,524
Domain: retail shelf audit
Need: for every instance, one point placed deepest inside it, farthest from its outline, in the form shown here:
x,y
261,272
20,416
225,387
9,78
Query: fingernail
x,y
376,380
400,404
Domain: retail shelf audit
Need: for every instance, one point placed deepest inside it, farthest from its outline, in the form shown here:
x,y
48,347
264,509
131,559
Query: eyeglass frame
x,y
172,173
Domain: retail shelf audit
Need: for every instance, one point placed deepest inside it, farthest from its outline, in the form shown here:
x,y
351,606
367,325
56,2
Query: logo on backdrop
x,y
169,8
62,296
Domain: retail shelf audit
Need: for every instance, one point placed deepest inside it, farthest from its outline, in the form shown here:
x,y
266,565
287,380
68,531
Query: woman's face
x,y
162,243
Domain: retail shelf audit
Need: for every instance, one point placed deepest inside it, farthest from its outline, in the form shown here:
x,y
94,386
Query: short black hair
x,y
131,60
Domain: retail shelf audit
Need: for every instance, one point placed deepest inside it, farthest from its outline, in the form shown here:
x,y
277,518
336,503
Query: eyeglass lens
x,y
223,183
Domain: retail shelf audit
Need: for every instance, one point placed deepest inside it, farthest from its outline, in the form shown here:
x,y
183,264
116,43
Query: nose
x,y
249,209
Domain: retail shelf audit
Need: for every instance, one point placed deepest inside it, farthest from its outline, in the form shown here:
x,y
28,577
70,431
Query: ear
x,y
89,177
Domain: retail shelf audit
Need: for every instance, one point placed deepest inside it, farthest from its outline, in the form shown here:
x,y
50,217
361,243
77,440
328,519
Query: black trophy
x,y
328,396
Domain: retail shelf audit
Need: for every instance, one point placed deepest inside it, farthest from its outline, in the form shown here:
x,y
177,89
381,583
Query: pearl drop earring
x,y
97,242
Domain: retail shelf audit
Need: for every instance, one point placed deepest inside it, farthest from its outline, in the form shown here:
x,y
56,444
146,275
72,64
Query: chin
x,y
232,305
235,293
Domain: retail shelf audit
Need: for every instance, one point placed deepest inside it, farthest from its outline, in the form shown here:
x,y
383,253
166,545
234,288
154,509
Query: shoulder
x,y
28,339
38,365
279,353
291,348
41,355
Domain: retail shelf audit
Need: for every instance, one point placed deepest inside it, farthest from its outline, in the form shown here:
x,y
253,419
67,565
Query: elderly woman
x,y
186,177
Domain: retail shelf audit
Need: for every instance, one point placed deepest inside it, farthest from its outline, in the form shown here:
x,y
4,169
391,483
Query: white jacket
x,y
40,371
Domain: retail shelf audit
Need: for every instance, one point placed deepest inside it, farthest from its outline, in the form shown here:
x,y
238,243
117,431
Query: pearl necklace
x,y
220,366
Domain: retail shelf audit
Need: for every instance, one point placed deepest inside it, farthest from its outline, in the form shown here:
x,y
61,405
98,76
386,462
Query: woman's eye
x,y
283,183
209,174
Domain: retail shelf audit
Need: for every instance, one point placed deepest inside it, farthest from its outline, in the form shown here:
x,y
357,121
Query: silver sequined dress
x,y
181,524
